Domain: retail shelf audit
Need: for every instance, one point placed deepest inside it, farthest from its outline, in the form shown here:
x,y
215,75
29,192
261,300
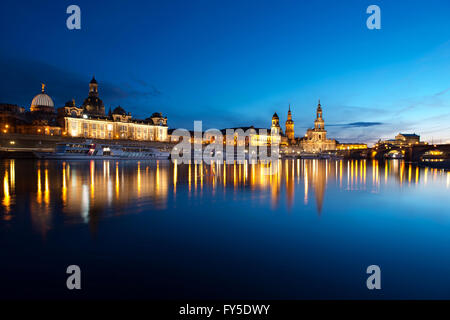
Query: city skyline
x,y
214,159
231,68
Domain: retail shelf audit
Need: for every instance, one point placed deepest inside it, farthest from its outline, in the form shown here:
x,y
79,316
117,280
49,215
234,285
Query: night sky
x,y
235,63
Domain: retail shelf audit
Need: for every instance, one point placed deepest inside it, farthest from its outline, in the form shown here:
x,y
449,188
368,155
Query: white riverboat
x,y
102,151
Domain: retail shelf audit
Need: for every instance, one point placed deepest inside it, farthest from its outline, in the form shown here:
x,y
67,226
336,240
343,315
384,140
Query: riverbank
x,y
23,146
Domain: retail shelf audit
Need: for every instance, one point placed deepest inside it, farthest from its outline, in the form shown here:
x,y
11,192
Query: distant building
x,y
258,137
11,115
402,139
261,136
407,138
351,146
275,128
86,121
90,121
276,133
315,139
93,105
41,119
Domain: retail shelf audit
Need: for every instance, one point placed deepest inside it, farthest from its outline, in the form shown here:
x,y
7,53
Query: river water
x,y
157,230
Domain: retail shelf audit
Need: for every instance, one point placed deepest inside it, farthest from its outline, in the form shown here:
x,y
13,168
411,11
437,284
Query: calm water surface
x,y
155,230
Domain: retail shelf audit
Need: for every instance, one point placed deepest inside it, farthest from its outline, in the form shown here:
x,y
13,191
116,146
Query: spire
x,y
43,87
93,79
319,111
289,117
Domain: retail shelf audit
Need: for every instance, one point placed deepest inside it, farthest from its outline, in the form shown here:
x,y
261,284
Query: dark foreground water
x,y
152,230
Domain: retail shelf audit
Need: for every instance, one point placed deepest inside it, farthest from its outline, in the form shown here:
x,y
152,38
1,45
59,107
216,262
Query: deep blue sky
x,y
233,63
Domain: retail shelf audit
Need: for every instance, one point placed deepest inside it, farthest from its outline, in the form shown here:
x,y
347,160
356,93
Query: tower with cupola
x,y
290,133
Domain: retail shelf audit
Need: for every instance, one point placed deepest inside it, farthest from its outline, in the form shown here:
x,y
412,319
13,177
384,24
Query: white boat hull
x,y
56,156
90,151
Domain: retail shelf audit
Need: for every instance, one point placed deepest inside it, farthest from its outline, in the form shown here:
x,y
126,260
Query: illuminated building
x,y
257,136
90,121
290,127
11,115
405,138
315,139
351,146
402,139
120,125
275,128
86,121
41,119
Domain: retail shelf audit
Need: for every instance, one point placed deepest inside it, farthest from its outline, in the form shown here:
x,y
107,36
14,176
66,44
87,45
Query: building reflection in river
x,y
86,192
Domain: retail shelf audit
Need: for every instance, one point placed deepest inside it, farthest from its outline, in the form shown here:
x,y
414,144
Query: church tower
x,y
93,105
319,124
290,126
93,88
275,129
315,140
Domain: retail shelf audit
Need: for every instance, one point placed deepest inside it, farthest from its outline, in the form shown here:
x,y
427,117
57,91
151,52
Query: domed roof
x,y
119,110
156,115
42,102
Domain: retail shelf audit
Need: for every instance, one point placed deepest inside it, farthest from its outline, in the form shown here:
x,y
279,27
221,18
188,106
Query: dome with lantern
x,y
42,102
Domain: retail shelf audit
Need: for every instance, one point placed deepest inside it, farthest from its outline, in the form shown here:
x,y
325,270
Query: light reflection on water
x,y
85,191
224,231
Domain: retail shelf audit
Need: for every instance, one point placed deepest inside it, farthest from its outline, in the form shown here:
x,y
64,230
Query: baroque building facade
x,y
401,140
255,136
86,121
316,139
90,121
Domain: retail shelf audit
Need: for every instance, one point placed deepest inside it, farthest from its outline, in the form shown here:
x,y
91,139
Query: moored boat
x,y
102,151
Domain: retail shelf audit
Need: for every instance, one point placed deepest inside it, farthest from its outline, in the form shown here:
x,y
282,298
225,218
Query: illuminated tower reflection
x,y
87,192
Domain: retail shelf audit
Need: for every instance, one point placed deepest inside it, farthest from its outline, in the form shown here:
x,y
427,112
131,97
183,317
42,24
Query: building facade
x,y
315,139
351,146
11,116
40,119
401,140
407,138
116,126
86,121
